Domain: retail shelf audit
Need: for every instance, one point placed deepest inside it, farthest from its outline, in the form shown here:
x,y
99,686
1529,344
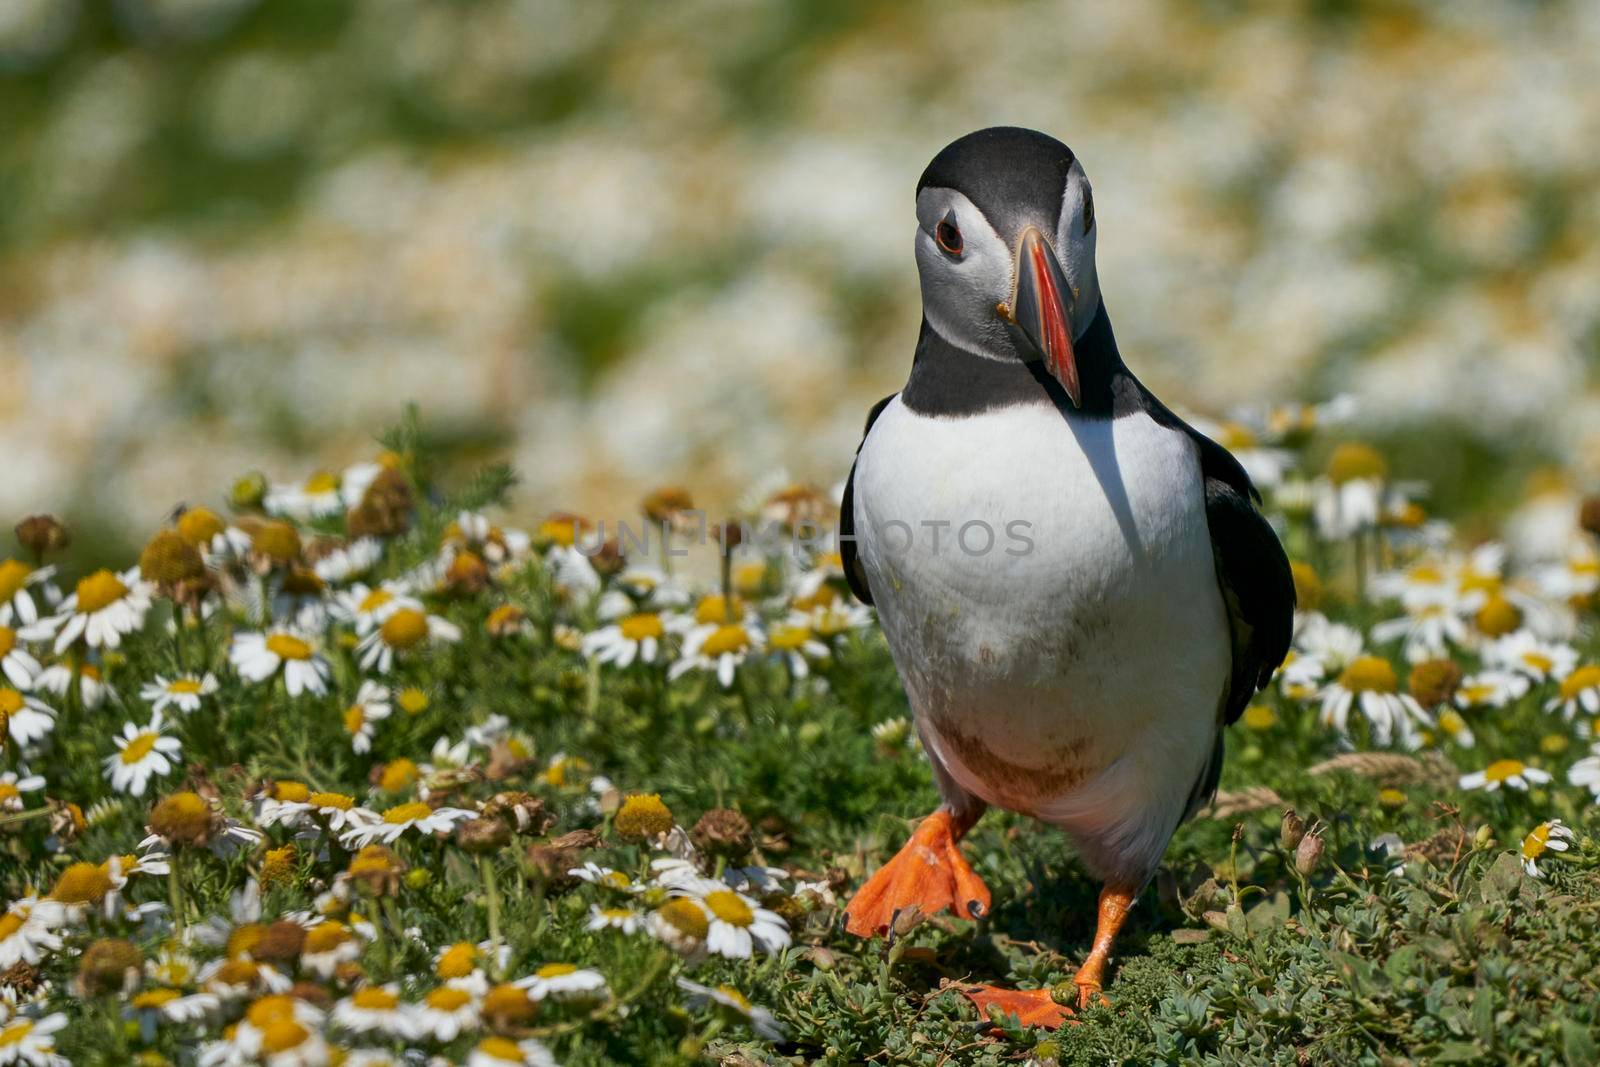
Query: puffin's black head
x,y
1005,248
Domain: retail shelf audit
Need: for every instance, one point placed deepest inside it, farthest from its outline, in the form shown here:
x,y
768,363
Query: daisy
x,y
158,1005
1429,627
563,981
1586,772
183,691
404,631
395,821
28,931
1526,654
282,1031
258,656
503,1052
737,924
1453,726
636,636
1491,689
374,1008
349,561
719,648
367,608
444,1014
652,588
1579,691
57,680
474,531
12,788
141,754
730,1000
371,706
103,609
594,874
1512,773
625,919
794,641
27,1040
27,719
1370,685
318,496
329,944
16,602
1550,836
16,662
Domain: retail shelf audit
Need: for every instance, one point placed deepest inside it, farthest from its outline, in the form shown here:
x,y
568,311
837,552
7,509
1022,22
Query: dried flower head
x,y
40,534
1434,681
169,559
109,965
183,818
723,832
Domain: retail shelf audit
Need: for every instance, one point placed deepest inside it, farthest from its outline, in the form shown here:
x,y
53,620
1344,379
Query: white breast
x,y
1072,669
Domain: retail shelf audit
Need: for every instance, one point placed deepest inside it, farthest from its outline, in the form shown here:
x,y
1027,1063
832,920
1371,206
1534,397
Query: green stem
x,y
175,892
491,890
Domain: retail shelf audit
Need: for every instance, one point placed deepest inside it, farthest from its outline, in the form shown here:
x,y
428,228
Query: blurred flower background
x,y
627,244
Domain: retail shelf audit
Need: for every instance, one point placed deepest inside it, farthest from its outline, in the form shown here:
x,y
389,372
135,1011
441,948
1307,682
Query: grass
x,y
1247,948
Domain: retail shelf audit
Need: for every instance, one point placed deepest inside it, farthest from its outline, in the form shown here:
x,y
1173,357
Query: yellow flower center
x,y
322,482
686,917
8,641
643,815
640,626
734,995
1538,661
616,880
287,646
457,960
11,922
81,883
1535,844
397,775
184,686
282,1035
325,937
244,939
1260,717
13,576
614,914
1369,674
1479,582
404,813
1353,460
1235,436
788,638
155,998
728,906
1476,693
16,1033
374,999
100,590
10,701
1451,722
337,801
374,600
556,970
139,748
714,609
1502,769
448,999
412,700
405,628
1587,677
199,525
293,792
726,639
354,719
1425,574
501,1049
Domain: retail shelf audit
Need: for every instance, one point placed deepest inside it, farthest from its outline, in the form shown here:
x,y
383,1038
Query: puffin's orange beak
x,y
1043,297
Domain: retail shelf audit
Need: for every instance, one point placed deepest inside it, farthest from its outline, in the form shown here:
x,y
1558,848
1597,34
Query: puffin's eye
x,y
948,234
1088,210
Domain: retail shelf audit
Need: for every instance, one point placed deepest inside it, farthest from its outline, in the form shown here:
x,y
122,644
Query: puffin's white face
x,y
970,263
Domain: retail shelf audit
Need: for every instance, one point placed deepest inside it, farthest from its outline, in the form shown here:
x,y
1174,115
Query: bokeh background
x,y
622,244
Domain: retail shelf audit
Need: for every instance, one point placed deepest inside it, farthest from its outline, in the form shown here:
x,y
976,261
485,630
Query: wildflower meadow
x,y
345,771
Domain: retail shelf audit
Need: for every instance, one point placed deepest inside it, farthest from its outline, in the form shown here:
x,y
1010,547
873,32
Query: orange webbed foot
x,y
929,873
1032,1007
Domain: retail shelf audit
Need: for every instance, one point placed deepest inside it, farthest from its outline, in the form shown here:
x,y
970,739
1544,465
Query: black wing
x,y
847,516
1252,570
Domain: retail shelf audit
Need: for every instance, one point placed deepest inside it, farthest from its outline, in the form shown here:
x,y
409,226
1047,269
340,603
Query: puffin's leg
x,y
1038,1007
1115,903
929,872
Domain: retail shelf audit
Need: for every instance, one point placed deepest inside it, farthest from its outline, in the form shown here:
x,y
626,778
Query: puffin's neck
x,y
946,380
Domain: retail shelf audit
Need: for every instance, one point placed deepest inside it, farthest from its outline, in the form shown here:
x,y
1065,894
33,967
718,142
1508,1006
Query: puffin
x,y
1077,587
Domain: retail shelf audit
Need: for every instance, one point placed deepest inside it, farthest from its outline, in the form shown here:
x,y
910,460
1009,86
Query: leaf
x,y
1503,880
1577,1044
1459,1052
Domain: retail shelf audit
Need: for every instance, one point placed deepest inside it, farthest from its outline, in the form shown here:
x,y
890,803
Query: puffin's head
x,y
1005,248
